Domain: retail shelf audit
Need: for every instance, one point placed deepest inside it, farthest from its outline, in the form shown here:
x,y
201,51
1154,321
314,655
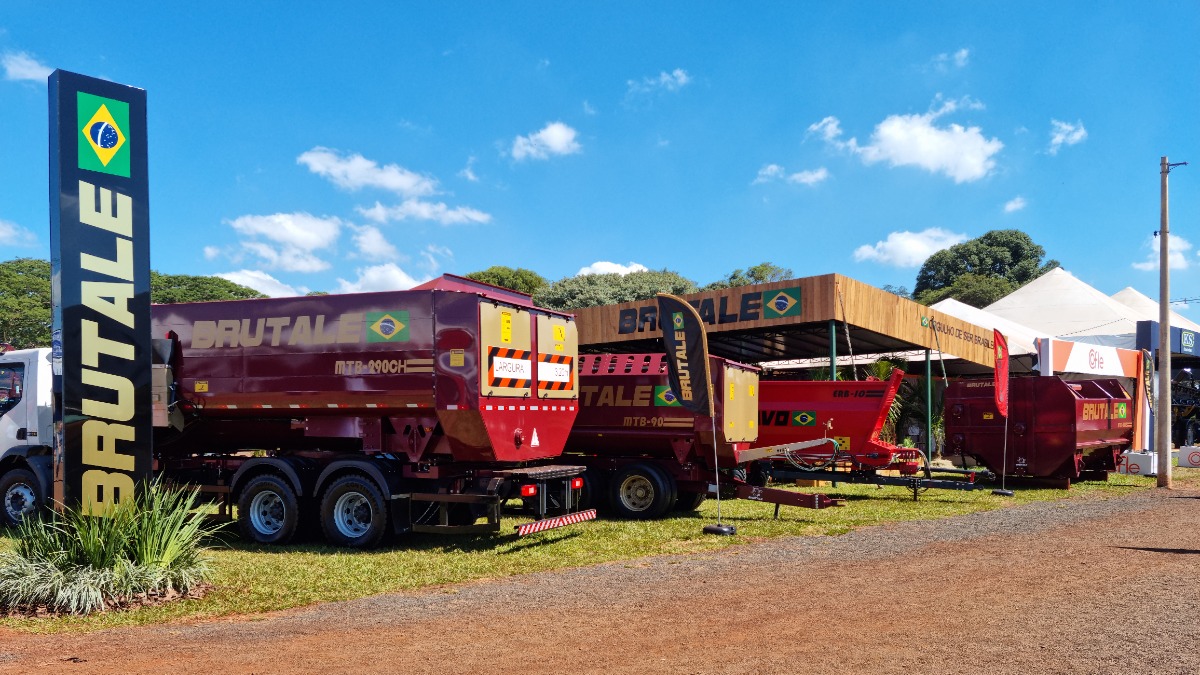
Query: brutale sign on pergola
x,y
891,322
100,254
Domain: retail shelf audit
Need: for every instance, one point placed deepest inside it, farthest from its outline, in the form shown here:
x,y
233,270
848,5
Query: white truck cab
x,y
26,433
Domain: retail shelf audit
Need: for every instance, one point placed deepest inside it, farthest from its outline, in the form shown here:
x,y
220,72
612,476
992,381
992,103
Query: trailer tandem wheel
x,y
22,496
689,501
268,511
642,491
353,512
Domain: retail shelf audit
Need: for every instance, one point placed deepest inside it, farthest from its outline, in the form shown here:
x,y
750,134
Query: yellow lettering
x,y
95,296
204,334
92,345
121,268
588,393
319,336
277,324
606,396
102,490
100,445
255,340
643,394
120,222
301,332
350,328
228,329
122,410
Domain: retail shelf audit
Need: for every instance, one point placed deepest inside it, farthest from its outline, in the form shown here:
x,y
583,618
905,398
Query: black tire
x,y
689,501
268,511
354,513
641,491
593,495
22,496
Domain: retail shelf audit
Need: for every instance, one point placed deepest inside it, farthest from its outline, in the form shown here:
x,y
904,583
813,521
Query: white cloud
x,y
673,81
301,230
555,138
287,258
212,252
262,282
386,277
589,109
12,234
960,153
1177,259
467,171
372,245
605,267
959,59
293,239
354,172
1015,204
908,249
772,172
809,177
432,255
423,210
1064,133
22,66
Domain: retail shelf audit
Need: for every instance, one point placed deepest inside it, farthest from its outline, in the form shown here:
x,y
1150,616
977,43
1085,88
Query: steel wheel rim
x,y
267,512
352,514
637,493
19,501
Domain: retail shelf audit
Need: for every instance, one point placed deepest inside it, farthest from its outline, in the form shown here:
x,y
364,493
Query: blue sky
x,y
366,146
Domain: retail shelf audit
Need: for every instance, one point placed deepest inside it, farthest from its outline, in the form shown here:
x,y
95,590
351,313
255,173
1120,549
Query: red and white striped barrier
x,y
557,521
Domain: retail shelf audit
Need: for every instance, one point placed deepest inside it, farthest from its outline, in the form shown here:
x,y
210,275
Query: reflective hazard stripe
x,y
557,521
547,382
509,355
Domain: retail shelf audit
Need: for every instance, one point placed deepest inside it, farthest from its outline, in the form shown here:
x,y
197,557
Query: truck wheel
x,y
22,496
641,491
267,510
353,512
689,501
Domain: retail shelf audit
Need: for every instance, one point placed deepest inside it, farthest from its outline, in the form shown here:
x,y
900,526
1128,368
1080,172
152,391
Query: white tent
x,y
1020,338
1148,308
1060,305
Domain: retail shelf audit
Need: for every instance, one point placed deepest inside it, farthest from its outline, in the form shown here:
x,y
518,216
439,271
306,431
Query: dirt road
x,y
1081,586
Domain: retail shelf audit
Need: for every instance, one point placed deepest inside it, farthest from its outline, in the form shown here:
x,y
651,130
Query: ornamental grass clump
x,y
73,562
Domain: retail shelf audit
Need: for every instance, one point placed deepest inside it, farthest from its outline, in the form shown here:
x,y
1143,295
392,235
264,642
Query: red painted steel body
x,y
318,371
853,413
625,411
1056,428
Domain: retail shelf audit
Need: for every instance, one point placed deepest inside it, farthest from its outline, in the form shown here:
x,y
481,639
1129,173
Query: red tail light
x,y
576,482
528,490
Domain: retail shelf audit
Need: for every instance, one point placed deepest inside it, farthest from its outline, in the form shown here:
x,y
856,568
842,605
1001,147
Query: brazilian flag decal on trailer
x,y
804,418
387,326
663,396
103,145
780,303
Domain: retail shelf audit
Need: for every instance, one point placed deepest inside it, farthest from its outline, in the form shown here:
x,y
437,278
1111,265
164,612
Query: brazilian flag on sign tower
x,y
103,139
687,354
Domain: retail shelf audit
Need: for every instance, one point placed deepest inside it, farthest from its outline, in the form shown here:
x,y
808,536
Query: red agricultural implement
x,y
838,424
1056,429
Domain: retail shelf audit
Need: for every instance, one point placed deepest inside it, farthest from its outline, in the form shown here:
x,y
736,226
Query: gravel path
x,y
1079,586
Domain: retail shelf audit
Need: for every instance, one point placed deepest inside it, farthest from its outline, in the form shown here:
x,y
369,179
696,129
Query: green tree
x,y
25,302
1006,259
519,279
590,290
901,291
761,273
167,289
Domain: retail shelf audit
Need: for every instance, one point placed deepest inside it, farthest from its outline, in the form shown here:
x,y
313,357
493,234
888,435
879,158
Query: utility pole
x,y
1162,413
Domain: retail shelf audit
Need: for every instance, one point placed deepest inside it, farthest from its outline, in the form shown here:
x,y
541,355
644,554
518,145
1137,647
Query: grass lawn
x,y
252,579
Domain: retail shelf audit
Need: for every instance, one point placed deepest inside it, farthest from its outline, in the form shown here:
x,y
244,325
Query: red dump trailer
x,y
1055,428
645,453
839,423
411,411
